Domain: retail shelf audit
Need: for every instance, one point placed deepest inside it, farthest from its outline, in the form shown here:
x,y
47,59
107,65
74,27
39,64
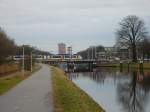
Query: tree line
x,y
8,48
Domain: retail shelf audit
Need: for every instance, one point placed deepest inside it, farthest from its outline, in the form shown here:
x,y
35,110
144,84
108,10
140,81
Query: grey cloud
x,y
68,20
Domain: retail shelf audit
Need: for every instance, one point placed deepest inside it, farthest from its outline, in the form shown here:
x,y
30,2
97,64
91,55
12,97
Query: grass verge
x,y
10,81
146,65
68,97
8,68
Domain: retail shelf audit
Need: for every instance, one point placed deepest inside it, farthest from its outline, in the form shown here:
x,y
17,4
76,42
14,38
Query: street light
x,y
31,60
88,54
91,48
95,52
23,60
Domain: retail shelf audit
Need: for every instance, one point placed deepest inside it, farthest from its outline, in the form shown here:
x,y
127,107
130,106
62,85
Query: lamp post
x,y
31,60
95,53
91,48
23,60
71,53
88,57
92,52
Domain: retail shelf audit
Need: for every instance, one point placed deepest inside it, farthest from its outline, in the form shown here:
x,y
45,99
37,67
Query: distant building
x,y
101,56
69,50
61,48
109,54
114,53
124,53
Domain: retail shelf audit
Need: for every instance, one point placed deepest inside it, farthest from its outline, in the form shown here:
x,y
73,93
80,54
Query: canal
x,y
115,90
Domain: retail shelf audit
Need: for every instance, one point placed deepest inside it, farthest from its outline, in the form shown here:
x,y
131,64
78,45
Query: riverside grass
x,y
146,65
8,68
68,97
9,82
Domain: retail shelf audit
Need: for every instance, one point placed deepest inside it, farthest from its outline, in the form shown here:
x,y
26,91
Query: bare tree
x,y
132,31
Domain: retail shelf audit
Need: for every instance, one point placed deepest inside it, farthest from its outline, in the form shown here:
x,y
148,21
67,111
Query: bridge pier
x,y
90,66
78,65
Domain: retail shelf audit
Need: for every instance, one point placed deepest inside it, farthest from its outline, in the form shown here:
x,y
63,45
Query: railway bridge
x,y
77,65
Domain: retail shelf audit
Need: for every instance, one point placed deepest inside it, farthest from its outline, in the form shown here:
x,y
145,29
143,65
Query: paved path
x,y
31,95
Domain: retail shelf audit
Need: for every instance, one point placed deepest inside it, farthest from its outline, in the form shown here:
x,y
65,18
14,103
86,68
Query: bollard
x,y
121,66
128,66
141,66
90,66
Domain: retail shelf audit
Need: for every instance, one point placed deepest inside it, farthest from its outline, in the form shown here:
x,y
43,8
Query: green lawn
x,y
68,97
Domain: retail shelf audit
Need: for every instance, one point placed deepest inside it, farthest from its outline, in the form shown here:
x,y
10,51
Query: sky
x,y
78,23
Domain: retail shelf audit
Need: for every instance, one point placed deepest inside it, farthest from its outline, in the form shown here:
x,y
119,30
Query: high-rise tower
x,y
61,48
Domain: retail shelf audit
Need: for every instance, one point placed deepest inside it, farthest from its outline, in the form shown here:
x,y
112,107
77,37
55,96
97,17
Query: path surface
x,y
31,95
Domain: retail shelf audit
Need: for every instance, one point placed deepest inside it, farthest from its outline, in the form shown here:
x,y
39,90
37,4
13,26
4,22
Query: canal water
x,y
116,91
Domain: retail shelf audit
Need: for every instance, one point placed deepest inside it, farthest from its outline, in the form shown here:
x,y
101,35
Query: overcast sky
x,y
79,23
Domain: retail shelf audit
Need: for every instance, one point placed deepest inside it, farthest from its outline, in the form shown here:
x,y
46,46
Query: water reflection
x,y
131,94
131,89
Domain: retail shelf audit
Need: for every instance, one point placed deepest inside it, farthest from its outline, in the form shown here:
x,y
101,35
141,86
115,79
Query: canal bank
x,y
68,97
134,66
115,90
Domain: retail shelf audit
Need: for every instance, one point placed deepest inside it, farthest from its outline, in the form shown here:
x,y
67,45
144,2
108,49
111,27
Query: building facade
x,y
61,48
69,50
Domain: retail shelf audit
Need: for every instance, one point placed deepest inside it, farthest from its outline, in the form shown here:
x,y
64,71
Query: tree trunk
x,y
134,53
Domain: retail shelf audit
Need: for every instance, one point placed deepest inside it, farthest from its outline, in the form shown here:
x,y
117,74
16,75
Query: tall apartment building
x,y
61,48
